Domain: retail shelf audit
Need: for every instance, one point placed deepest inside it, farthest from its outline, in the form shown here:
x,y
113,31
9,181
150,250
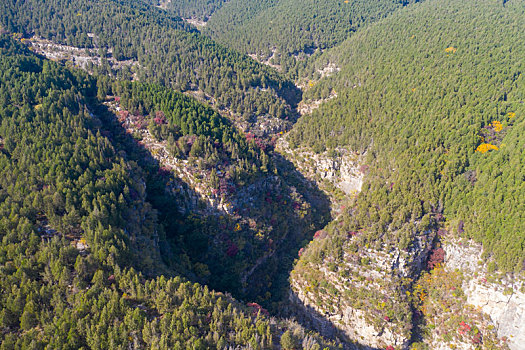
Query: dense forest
x,y
77,227
441,136
168,51
218,249
177,193
285,32
292,26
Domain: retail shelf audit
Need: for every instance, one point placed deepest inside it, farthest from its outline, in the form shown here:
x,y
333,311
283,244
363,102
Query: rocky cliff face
x,y
333,314
339,168
362,295
502,298
359,296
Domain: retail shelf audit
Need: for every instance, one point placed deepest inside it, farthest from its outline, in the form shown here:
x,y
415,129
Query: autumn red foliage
x,y
352,233
461,226
477,338
464,327
442,232
437,256
364,168
164,171
123,115
160,118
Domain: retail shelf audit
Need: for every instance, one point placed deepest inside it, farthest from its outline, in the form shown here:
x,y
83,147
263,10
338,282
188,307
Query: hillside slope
x,y
199,10
433,95
292,26
76,227
116,191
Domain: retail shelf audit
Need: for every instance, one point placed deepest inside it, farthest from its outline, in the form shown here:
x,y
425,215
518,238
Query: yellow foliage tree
x,y
497,126
485,147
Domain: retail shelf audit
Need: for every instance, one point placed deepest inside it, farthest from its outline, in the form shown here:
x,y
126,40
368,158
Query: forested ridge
x,y
217,248
439,117
285,31
168,51
77,228
293,26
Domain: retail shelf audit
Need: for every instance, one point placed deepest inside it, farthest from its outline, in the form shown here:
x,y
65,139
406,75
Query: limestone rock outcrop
x,y
503,299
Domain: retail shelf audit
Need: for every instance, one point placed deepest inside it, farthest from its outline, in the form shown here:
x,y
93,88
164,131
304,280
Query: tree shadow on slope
x,y
268,282
184,242
278,203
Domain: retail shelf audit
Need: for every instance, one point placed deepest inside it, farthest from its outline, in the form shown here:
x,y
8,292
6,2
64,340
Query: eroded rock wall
x,y
363,295
502,298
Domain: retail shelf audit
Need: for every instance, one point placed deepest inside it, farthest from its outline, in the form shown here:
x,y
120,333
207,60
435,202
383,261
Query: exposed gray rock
x,y
341,313
341,167
504,302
